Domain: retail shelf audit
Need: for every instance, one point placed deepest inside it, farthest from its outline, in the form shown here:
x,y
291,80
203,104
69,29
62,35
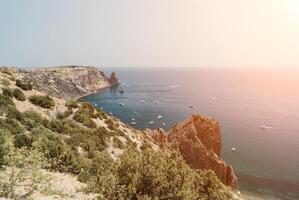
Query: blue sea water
x,y
258,111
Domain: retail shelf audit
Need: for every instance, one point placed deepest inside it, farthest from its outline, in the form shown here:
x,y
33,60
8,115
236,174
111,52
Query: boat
x,y
234,149
135,112
163,124
142,101
121,104
121,90
110,113
265,127
190,106
133,119
151,122
133,123
95,104
159,116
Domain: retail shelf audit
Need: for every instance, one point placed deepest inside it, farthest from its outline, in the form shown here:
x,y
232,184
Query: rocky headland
x,y
198,139
67,81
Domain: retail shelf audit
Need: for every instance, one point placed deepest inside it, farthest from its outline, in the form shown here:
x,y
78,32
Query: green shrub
x,y
42,101
88,107
23,140
117,143
59,156
32,119
7,92
2,150
4,82
82,116
13,113
12,126
5,100
19,94
153,175
71,103
23,86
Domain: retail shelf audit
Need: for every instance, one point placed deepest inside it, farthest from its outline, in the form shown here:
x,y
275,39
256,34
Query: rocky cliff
x,y
67,81
198,139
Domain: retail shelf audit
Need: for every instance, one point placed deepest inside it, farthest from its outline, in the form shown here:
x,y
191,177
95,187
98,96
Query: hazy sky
x,y
192,33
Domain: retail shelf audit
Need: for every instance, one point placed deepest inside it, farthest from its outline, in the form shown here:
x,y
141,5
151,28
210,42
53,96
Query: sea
x,y
257,108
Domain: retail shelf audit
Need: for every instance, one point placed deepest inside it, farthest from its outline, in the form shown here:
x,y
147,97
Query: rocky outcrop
x,y
199,141
68,81
113,80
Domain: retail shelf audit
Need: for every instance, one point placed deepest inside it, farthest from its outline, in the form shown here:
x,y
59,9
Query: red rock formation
x,y
199,141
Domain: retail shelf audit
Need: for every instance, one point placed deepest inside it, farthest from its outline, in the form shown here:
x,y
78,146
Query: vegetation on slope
x,y
73,143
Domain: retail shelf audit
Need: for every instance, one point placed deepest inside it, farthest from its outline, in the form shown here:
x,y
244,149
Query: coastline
x,y
95,91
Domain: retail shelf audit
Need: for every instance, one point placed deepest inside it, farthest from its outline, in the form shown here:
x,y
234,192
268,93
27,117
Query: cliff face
x,y
67,82
199,140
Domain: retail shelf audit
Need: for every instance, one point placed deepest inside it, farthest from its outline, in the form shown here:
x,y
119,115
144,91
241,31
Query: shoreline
x,y
95,91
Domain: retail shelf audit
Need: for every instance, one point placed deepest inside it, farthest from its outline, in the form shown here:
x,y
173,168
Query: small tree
x,y
19,94
42,101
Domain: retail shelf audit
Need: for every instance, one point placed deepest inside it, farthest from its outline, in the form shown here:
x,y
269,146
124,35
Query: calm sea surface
x,y
258,110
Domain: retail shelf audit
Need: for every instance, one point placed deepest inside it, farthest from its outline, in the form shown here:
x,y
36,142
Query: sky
x,y
150,33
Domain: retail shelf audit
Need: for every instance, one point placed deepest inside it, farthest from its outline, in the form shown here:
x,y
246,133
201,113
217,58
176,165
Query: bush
x,y
2,150
12,126
5,100
117,143
42,101
32,119
7,92
4,82
23,86
23,140
71,103
153,175
59,156
88,107
83,116
19,94
13,113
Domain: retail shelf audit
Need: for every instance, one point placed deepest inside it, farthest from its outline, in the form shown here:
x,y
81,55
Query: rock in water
x,y
113,79
199,140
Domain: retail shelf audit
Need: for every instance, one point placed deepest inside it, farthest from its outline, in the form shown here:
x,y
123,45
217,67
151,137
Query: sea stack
x,y
113,79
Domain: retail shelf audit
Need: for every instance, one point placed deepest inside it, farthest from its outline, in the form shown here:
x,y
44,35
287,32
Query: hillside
x,y
57,148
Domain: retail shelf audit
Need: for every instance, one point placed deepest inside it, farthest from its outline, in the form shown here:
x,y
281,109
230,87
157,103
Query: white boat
x,y
133,119
159,116
133,123
151,122
121,104
163,124
265,127
142,101
135,112
234,149
161,99
110,113
95,104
